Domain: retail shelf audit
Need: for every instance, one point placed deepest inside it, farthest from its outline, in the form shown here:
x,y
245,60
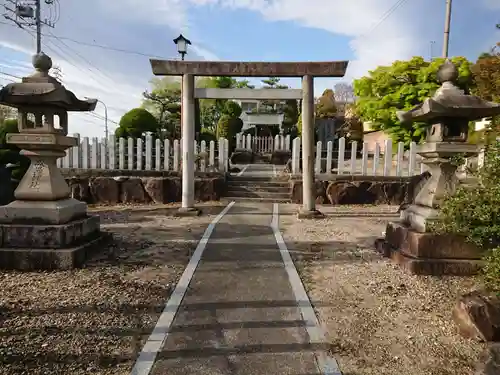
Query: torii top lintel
x,y
249,69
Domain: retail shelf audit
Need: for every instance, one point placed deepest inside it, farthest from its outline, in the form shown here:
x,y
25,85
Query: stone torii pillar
x,y
308,209
188,119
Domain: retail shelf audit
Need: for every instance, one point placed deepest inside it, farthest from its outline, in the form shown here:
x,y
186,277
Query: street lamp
x,y
182,45
105,117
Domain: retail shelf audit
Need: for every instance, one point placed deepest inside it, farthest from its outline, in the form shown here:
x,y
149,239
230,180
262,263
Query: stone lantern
x,y
44,228
448,114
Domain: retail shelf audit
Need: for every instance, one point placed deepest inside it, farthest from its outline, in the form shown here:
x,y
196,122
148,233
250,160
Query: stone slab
x,y
437,267
31,259
188,212
55,236
253,94
429,245
313,214
43,212
249,69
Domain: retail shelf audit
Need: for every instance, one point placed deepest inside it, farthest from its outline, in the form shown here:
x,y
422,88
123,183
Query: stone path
x,y
239,315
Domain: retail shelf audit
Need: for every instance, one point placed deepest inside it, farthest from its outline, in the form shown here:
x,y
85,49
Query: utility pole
x,y
447,22
29,14
432,42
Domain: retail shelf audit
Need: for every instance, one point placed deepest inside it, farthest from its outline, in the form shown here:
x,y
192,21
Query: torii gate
x,y
306,70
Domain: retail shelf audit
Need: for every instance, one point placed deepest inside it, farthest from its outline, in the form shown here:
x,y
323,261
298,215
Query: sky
x,y
102,47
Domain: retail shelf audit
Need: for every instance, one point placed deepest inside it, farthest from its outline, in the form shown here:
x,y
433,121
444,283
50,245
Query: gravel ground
x,y
379,319
95,320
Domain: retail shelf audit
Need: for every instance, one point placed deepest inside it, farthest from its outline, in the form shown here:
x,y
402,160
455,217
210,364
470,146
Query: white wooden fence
x,y
386,164
139,154
263,144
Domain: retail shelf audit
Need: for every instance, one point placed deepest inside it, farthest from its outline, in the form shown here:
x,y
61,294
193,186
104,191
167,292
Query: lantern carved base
x,y
429,253
45,229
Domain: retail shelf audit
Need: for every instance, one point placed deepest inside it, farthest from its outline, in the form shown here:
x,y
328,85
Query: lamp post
x,y
182,45
106,131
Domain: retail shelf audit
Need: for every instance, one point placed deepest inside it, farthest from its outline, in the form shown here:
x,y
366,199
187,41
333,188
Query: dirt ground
x,y
94,320
379,319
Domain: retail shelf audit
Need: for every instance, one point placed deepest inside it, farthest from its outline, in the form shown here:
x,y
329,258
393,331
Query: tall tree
x,y
401,86
344,95
326,106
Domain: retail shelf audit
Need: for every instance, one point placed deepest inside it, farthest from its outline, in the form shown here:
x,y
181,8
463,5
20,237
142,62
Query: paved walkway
x,y
239,315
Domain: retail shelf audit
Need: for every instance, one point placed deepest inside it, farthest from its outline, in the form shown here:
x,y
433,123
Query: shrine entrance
x,y
305,70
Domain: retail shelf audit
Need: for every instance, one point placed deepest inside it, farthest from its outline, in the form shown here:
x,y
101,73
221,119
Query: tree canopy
x,y
325,106
401,86
136,122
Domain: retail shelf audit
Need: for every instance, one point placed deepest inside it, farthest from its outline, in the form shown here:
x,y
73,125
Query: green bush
x,y
224,127
136,122
207,135
475,215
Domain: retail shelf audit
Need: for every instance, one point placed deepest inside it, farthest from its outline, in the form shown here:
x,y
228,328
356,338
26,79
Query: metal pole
x,y
38,23
447,22
106,130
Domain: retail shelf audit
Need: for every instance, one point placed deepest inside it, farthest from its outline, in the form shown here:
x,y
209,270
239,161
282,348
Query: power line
x,y
384,17
96,45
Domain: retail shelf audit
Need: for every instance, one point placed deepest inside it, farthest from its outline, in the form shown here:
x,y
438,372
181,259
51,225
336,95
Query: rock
x,y
155,188
296,191
336,191
104,190
80,189
280,157
208,189
489,363
478,316
242,157
132,191
172,190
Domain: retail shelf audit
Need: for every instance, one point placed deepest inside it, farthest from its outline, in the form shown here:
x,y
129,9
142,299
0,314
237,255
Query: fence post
x,y
166,154
203,152
276,142
177,152
221,150
85,153
287,142
340,156
112,152
226,155
149,152
76,150
121,153
364,159
140,148
130,154
158,154
412,159
354,152
399,160
103,153
329,157
249,142
376,159
317,168
387,157
211,154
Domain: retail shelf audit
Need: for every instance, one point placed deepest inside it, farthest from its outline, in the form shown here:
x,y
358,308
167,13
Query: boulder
x,y
155,188
208,189
104,190
478,316
280,157
132,191
296,191
80,189
489,363
366,192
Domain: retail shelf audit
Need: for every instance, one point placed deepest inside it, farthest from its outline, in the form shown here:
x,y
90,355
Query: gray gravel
x,y
96,319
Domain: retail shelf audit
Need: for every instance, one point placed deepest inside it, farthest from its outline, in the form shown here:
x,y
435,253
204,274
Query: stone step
x,y
271,184
256,199
257,194
253,188
264,178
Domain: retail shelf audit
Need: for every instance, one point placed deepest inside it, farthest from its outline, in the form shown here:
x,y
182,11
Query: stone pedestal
x,y
44,228
429,253
409,242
